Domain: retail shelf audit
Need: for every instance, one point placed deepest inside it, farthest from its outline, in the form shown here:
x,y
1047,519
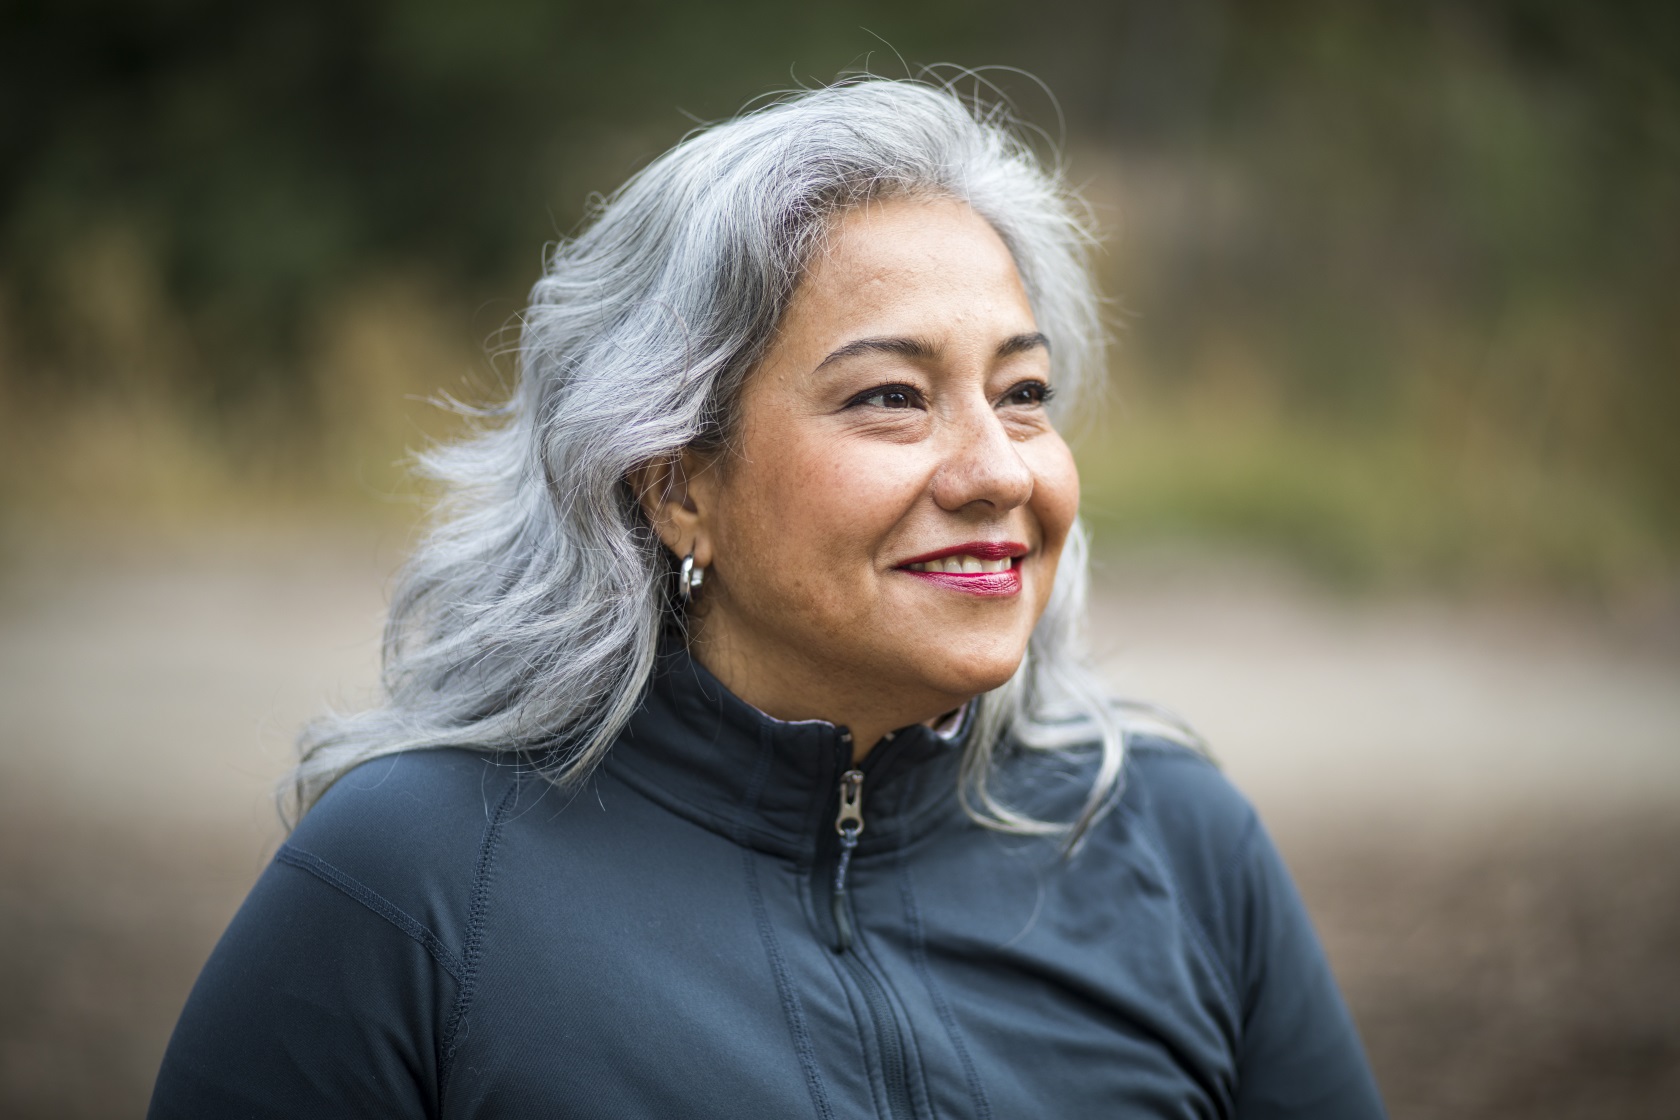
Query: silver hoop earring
x,y
689,578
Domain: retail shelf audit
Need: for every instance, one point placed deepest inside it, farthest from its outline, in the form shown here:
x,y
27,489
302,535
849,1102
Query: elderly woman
x,y
736,757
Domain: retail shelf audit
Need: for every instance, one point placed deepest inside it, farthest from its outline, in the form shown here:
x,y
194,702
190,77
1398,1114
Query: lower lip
x,y
986,585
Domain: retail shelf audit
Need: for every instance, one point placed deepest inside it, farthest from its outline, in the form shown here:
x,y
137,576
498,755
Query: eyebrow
x,y
1022,342
921,349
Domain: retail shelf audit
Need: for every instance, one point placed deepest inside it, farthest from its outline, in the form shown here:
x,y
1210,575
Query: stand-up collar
x,y
704,753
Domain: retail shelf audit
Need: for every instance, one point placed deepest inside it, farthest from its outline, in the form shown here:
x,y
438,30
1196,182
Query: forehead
x,y
910,264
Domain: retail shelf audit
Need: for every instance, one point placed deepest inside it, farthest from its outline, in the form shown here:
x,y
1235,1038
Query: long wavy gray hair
x,y
530,615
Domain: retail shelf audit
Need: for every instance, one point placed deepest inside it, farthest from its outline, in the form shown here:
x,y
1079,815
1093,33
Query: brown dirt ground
x,y
1515,956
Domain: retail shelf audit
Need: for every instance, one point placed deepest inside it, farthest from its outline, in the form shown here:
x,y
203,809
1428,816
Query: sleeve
x,y
316,1002
1300,1055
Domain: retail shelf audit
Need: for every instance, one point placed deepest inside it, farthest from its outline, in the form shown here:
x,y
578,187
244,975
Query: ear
x,y
673,495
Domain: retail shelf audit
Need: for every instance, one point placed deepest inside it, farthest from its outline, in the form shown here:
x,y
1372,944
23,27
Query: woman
x,y
736,758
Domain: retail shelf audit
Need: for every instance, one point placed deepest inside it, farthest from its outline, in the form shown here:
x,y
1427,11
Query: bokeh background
x,y
1386,492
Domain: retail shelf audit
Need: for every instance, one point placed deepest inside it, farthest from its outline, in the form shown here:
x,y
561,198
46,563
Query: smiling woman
x,y
737,757
883,533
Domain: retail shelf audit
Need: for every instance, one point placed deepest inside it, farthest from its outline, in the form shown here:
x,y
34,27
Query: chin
x,y
967,669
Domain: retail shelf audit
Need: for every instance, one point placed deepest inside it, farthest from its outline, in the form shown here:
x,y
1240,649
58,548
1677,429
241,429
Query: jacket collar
x,y
702,752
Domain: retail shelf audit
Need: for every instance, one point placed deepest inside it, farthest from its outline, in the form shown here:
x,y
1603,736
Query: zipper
x,y
848,822
848,825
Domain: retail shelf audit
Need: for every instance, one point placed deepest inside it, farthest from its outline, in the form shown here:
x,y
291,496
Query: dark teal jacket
x,y
446,934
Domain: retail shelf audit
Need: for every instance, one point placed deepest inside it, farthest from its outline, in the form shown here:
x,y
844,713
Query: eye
x,y
890,396
1028,394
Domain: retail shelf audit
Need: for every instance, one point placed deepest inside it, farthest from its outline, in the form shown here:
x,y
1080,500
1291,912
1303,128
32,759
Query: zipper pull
x,y
848,823
850,818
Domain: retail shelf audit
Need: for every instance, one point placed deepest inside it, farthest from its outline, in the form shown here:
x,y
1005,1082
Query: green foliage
x,y
1362,511
1449,231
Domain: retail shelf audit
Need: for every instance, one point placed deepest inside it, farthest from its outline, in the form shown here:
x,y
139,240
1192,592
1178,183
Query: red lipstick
x,y
980,550
987,585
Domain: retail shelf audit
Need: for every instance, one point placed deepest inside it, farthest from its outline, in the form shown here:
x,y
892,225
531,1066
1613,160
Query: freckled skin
x,y
829,489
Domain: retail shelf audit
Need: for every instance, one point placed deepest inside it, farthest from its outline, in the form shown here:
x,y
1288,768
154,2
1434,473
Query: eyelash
x,y
869,395
1042,394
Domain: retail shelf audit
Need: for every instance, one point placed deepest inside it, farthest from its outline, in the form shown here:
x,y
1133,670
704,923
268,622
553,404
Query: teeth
x,y
963,565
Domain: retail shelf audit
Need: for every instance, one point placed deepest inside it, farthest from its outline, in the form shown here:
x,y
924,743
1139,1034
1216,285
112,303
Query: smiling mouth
x,y
990,569
966,564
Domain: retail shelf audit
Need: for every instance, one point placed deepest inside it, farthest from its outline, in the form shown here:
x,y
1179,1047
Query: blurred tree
x,y
1453,220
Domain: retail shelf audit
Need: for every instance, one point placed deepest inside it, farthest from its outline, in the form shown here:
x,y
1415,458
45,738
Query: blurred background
x,y
1386,491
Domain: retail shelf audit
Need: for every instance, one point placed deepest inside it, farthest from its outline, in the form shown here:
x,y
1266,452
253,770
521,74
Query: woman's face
x,y
892,441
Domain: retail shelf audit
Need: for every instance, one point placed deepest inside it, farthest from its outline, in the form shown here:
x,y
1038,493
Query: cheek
x,y
1055,504
1055,499
808,527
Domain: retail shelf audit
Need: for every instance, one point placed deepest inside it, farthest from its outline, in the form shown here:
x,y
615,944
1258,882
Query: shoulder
x,y
356,944
1182,795
1298,1052
1204,832
407,823
1169,793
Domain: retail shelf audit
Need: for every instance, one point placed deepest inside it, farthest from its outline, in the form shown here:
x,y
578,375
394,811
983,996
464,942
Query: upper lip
x,y
980,550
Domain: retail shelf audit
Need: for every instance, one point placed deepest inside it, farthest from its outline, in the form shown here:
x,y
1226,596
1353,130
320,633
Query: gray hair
x,y
530,615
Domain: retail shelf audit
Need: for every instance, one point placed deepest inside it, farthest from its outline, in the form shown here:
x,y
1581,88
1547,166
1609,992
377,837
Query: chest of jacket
x,y
631,962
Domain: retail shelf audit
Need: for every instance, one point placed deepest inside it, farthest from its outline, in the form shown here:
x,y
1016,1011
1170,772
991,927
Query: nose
x,y
981,464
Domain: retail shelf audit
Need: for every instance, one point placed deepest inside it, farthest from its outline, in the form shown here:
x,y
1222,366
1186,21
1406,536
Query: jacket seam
x,y
377,903
874,1072
473,941
913,1060
919,960
1239,854
1196,927
802,1045
791,1011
